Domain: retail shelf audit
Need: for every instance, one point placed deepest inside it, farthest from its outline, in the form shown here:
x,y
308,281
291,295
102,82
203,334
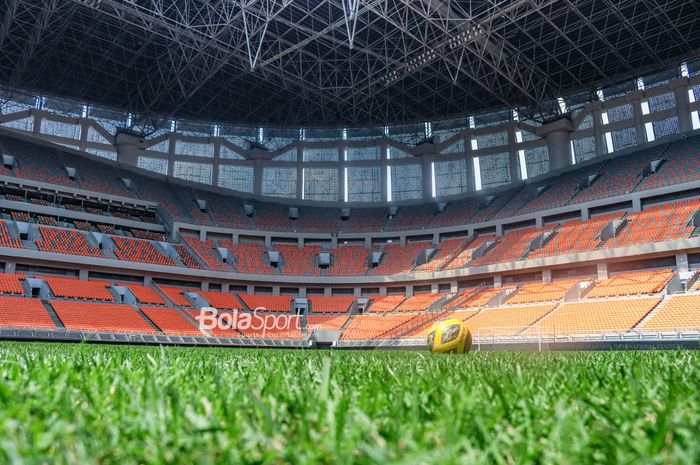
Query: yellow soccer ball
x,y
449,336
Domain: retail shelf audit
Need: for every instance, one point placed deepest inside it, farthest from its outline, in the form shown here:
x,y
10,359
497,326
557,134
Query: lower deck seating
x,y
480,298
420,302
175,295
385,304
368,327
325,322
679,313
422,330
170,321
505,321
101,318
69,288
268,303
66,241
20,312
144,294
328,304
636,283
596,316
221,300
137,250
11,284
532,293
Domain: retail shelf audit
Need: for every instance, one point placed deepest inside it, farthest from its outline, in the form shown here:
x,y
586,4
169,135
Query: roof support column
x,y
680,90
558,135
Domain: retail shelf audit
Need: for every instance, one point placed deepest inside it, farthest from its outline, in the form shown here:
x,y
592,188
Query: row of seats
x,y
207,253
65,241
248,257
137,250
299,261
420,302
70,288
328,304
6,240
637,283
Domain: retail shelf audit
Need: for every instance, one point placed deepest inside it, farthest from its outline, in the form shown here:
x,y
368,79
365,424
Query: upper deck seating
x,y
186,258
66,241
398,259
248,257
457,213
349,260
413,217
207,253
576,236
226,211
44,165
71,288
511,247
657,223
328,304
464,257
643,282
365,219
96,176
137,250
20,312
618,176
299,261
682,164
271,217
101,318
560,191
319,220
6,239
444,254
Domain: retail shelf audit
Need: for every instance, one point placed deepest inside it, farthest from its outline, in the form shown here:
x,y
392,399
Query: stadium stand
x,y
206,253
267,303
186,258
175,295
328,304
366,219
101,318
511,247
318,220
368,327
679,313
415,217
44,165
506,321
299,261
271,217
325,322
420,302
476,298
221,300
170,321
70,288
596,316
444,254
398,259
225,211
290,331
66,241
98,178
681,164
421,331
657,223
643,282
137,250
248,257
349,260
533,293
20,312
6,240
456,213
385,304
576,236
144,294
11,284
464,257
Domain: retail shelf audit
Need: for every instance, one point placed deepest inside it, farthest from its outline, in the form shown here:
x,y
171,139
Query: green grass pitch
x,y
88,404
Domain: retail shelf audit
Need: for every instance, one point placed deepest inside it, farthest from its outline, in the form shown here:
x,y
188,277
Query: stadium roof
x,y
337,62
